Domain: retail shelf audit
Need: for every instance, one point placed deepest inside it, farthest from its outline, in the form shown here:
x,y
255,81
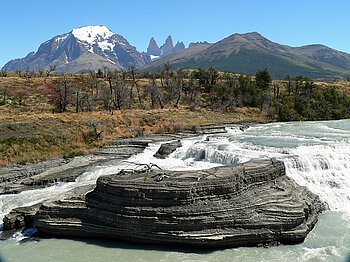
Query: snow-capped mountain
x,y
83,49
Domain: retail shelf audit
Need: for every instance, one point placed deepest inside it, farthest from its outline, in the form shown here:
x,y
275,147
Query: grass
x,y
33,137
31,132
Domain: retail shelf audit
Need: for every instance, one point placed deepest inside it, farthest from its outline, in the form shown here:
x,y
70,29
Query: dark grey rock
x,y
166,49
166,149
21,217
179,46
153,48
168,46
249,205
16,179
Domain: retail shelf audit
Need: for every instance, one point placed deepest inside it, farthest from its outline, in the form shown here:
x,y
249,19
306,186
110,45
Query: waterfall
x,y
316,155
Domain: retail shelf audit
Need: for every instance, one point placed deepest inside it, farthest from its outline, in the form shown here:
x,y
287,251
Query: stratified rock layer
x,y
246,205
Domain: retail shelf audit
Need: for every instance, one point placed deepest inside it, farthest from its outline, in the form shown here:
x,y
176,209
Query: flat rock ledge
x,y
16,179
249,205
19,178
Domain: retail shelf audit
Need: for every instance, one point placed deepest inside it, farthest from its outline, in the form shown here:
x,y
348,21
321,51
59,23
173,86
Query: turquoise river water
x,y
316,155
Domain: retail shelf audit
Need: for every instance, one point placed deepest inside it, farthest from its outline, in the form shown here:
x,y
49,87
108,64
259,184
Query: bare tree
x,y
19,73
104,94
77,98
276,90
3,73
179,85
289,84
120,94
133,83
4,91
51,69
97,129
167,68
63,92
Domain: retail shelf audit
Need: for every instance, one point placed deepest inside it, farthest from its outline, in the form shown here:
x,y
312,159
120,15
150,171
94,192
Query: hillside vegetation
x,y
45,115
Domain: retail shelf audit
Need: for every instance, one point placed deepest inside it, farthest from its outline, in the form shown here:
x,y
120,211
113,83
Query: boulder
x,y
248,205
166,149
21,217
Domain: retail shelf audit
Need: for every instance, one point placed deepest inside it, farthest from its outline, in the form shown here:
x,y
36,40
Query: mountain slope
x,y
247,53
89,62
109,50
178,59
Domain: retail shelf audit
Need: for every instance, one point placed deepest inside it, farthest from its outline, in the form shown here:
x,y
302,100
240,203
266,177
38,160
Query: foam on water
x,y
316,155
320,163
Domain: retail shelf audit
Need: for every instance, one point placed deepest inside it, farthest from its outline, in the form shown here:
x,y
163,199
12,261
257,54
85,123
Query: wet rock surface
x,y
166,149
249,205
19,178
21,217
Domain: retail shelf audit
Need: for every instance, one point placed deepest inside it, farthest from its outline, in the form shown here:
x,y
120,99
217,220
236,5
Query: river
x,y
316,155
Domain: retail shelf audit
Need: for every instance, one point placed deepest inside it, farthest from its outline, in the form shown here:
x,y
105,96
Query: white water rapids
x,y
316,155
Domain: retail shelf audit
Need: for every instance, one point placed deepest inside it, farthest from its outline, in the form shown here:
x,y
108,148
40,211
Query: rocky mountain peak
x,y
179,46
153,48
168,46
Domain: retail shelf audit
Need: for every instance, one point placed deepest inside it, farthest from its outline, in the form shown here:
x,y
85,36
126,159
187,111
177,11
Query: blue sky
x,y
26,24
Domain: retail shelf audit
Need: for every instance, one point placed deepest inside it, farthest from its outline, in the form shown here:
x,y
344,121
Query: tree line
x,y
294,98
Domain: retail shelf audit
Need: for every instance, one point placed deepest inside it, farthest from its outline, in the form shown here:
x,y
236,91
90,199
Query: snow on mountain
x,y
154,57
92,34
106,49
96,35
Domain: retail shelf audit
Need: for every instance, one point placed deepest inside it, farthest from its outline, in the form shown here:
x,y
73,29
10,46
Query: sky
x,y
26,24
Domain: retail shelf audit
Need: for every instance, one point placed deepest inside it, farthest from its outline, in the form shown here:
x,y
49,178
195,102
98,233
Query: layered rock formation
x,y
16,179
246,205
21,217
19,178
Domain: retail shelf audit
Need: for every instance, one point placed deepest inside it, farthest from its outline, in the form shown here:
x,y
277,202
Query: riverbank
x,y
32,138
19,178
315,155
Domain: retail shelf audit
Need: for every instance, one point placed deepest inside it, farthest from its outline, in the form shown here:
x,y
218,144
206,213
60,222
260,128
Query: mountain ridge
x,y
247,53
96,47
